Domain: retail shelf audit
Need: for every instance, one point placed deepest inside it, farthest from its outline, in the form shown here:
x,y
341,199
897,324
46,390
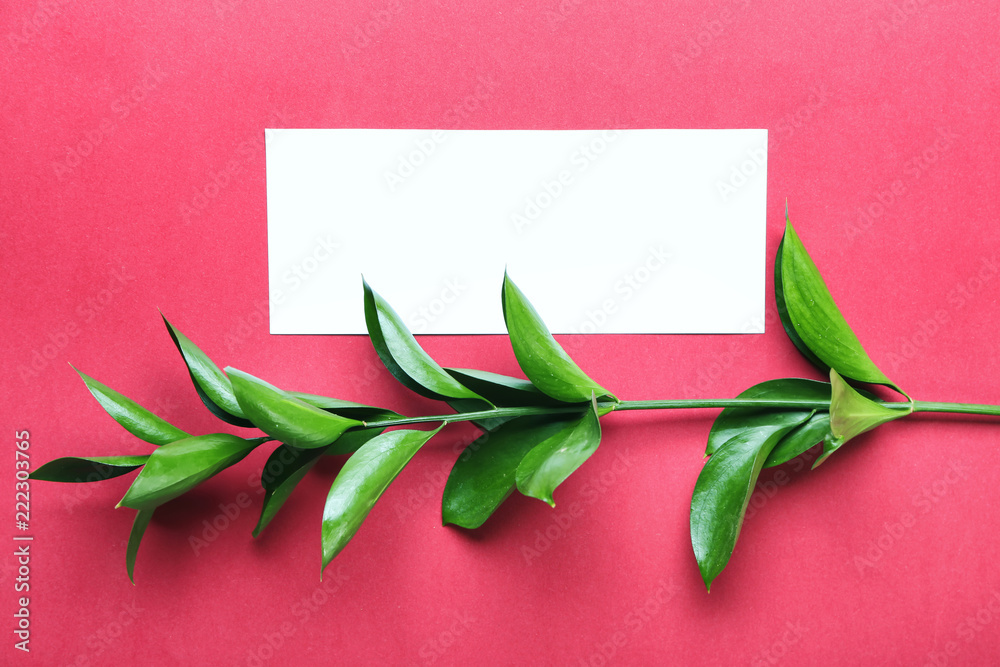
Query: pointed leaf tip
x,y
722,494
540,356
211,384
362,481
139,525
485,473
134,418
549,463
403,356
285,417
179,466
812,319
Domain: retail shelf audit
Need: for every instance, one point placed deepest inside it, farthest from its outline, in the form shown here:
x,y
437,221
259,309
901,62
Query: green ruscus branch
x,y
535,431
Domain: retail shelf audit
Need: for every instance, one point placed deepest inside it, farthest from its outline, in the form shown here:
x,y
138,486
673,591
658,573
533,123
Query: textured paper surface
x,y
606,231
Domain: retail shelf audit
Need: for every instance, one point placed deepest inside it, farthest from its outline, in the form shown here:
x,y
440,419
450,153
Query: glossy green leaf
x,y
286,467
179,466
816,323
361,482
550,462
733,421
722,493
284,417
403,356
502,390
210,382
542,359
851,414
795,443
485,473
779,298
344,408
136,419
88,468
139,525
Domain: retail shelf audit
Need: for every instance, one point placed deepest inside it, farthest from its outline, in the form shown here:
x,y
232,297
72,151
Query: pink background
x,y
115,123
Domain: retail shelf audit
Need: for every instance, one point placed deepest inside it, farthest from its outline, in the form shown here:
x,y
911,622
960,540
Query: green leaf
x,y
284,417
542,359
348,409
212,385
722,493
813,320
502,390
139,525
485,473
286,467
136,419
732,421
550,462
403,356
851,414
179,466
812,432
362,480
779,297
88,468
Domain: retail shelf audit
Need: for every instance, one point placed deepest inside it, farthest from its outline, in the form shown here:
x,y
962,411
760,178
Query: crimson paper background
x,y
133,179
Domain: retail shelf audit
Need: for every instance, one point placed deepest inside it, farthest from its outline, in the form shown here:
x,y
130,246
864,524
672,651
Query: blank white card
x,y
605,231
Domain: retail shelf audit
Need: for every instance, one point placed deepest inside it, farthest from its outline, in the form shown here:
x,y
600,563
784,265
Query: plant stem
x,y
648,405
961,408
481,414
918,406
723,403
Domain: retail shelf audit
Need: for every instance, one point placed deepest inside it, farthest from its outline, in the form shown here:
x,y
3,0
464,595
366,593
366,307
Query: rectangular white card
x,y
605,231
